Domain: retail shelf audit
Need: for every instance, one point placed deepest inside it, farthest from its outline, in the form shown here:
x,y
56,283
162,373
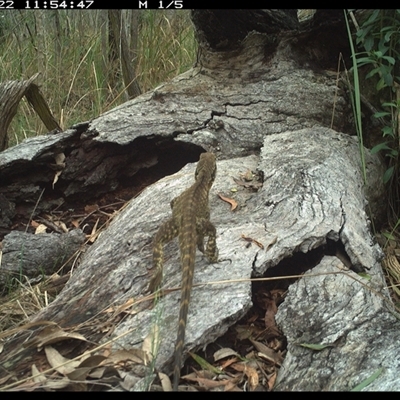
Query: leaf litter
x,y
248,359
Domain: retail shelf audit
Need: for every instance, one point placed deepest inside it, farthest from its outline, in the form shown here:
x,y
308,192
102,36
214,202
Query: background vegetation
x,y
80,64
378,57
376,83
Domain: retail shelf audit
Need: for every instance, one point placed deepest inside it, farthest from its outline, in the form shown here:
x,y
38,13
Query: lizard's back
x,y
191,223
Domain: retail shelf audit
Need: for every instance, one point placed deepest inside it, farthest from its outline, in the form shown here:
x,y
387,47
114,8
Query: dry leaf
x,y
137,356
91,208
79,374
41,228
92,361
165,382
57,384
271,381
252,375
244,331
101,372
25,327
29,386
50,335
250,372
267,353
129,381
37,376
231,386
271,310
238,367
94,233
121,308
232,202
5,379
89,366
206,382
60,158
45,383
61,364
34,224
151,342
251,240
224,353
107,350
61,225
57,174
224,365
59,166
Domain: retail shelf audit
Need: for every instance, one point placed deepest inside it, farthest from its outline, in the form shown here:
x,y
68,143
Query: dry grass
x,y
75,80
17,307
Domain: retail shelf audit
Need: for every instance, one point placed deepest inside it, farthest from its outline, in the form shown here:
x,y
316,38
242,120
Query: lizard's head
x,y
206,167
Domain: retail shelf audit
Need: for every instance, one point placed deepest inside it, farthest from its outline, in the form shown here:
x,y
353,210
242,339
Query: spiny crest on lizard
x,y
190,221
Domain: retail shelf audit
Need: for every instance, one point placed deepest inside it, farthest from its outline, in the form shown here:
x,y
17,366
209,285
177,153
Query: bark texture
x,y
25,254
263,103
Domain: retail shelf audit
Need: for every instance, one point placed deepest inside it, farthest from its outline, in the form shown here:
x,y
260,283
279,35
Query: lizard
x,y
191,223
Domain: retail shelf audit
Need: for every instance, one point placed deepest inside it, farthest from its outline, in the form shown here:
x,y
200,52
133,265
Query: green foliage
x,y
367,381
316,347
379,36
205,365
356,101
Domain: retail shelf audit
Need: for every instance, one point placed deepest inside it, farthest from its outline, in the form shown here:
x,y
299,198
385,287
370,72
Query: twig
x,y
33,211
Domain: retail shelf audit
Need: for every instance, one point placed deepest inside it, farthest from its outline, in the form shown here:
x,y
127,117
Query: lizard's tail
x,y
187,243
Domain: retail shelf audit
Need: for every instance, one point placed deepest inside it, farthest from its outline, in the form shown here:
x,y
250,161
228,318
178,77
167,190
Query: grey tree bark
x,y
263,103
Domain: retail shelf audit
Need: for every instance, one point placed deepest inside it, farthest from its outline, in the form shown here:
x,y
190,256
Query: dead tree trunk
x,y
262,96
11,94
117,24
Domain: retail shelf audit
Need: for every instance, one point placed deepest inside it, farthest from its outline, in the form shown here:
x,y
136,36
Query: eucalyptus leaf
x,y
317,347
367,381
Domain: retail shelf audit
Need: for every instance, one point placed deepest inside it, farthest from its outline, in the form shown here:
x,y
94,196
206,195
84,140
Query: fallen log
x,y
298,186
